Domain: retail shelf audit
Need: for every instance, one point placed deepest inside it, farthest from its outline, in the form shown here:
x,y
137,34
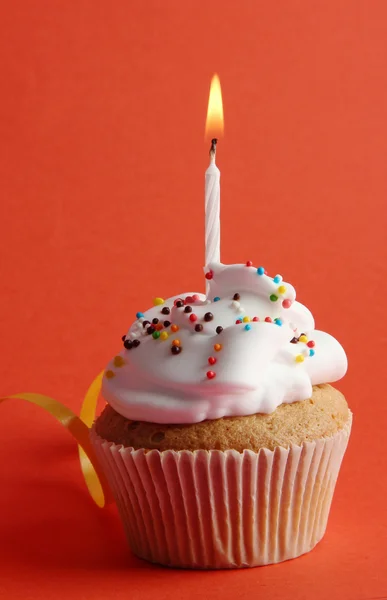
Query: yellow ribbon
x,y
78,427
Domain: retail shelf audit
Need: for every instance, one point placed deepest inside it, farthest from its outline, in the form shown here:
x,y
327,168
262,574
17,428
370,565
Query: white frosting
x,y
255,371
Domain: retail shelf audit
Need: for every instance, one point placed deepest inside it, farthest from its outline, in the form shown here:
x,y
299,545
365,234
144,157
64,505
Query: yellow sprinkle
x,y
282,289
303,339
246,319
299,358
158,301
118,361
176,343
164,335
218,347
110,374
174,328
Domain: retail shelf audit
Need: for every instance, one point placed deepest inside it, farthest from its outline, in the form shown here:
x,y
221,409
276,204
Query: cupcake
x,y
222,438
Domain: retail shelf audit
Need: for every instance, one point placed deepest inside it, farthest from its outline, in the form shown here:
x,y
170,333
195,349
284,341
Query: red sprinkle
x,y
195,298
211,374
188,300
209,275
286,303
269,320
311,344
193,317
256,319
249,263
212,360
238,321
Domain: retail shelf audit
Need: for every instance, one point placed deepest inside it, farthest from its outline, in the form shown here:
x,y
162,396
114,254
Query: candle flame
x,y
215,121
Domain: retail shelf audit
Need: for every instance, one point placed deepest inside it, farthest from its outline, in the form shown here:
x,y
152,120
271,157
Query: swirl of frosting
x,y
245,349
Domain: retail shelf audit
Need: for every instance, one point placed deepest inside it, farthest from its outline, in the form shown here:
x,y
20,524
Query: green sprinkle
x,y
273,298
155,335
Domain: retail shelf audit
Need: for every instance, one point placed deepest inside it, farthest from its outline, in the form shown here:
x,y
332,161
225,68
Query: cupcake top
x,y
246,348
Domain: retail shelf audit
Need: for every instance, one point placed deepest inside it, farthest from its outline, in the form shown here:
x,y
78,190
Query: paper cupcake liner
x,y
215,509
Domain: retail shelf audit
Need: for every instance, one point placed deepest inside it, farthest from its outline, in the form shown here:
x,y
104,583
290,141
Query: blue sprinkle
x,y
241,318
139,315
278,322
216,299
277,279
247,327
261,271
311,352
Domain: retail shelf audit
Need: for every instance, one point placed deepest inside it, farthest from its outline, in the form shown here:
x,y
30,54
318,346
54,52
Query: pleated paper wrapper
x,y
223,509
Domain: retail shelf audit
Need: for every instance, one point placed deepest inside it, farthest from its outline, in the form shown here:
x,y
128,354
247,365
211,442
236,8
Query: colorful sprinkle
x,y
123,337
176,343
110,374
128,344
282,289
303,338
294,340
208,316
212,360
167,323
255,319
209,275
199,327
211,374
159,326
158,301
176,349
277,279
188,300
311,352
216,299
236,296
175,328
118,361
311,344
249,263
188,309
218,347
196,298
247,327
299,358
136,343
238,321
236,304
260,271
219,329
278,321
150,329
273,297
139,315
179,303
165,310
193,317
156,335
155,321
286,303
164,336
268,320
246,319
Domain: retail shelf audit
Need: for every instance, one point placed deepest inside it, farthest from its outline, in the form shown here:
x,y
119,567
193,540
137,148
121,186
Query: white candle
x,y
212,209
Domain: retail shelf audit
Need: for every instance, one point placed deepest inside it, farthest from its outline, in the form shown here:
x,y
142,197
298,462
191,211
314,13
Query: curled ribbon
x,y
78,427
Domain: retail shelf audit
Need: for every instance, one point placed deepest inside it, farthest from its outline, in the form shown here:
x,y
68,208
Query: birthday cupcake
x,y
222,438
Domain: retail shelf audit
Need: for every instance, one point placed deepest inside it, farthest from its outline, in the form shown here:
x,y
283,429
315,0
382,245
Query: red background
x,y
102,166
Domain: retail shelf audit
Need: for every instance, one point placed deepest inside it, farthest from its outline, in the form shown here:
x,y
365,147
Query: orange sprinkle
x,y
176,343
159,326
174,328
218,347
118,361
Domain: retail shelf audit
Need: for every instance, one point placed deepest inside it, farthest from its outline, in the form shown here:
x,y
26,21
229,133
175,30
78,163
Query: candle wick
x,y
214,141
